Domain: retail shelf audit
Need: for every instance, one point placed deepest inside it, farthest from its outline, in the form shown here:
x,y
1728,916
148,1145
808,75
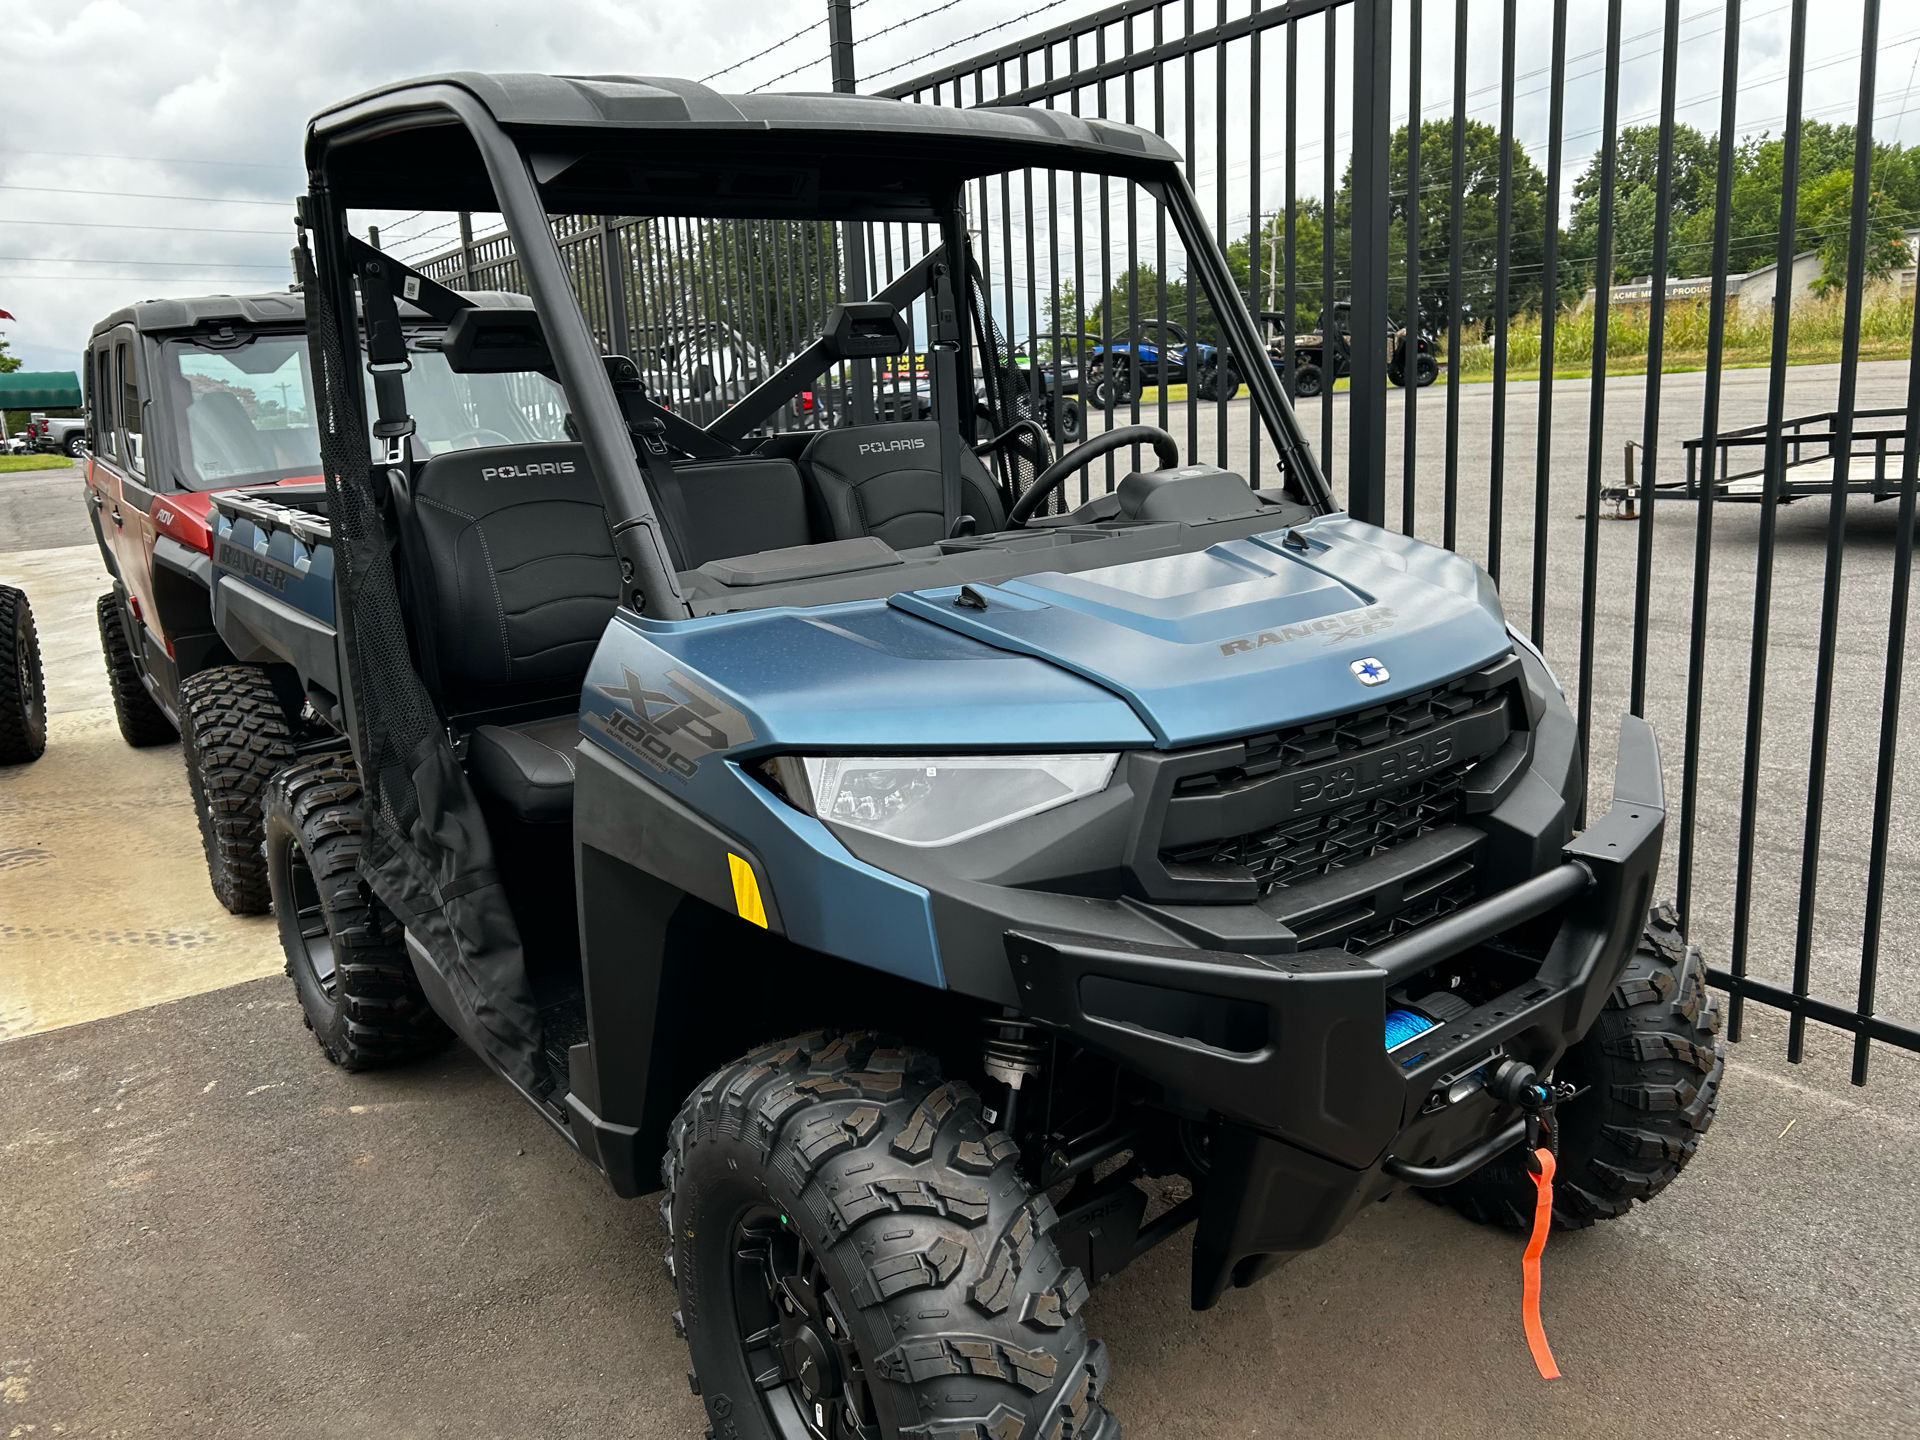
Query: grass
x,y
1814,337
10,463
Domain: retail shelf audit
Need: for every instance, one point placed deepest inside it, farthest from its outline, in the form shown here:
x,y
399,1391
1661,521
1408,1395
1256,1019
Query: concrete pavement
x,y
211,1232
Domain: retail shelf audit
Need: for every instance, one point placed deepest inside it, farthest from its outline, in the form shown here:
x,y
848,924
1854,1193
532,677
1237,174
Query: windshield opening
x,y
244,412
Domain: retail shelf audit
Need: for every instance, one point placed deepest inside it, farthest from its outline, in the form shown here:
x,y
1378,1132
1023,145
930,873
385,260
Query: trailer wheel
x,y
142,722
345,952
23,687
235,736
1652,1065
856,1256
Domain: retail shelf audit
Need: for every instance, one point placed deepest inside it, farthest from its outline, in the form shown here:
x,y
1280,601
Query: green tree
x,y
8,362
1480,222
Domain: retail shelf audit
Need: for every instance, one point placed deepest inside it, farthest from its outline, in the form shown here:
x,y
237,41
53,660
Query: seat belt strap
x,y
945,337
649,431
650,438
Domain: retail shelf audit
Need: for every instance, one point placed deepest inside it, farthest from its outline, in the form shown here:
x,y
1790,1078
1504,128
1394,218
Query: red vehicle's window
x,y
244,414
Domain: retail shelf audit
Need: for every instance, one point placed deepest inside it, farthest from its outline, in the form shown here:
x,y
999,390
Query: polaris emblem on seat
x,y
880,447
523,472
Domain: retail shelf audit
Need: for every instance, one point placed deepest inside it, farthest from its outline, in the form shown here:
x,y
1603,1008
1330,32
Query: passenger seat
x,y
513,579
884,480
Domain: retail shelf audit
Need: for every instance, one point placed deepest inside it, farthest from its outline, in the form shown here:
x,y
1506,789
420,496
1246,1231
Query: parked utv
x,y
897,872
187,397
1325,354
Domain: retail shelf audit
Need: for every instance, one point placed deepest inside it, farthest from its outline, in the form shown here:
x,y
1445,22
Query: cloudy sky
x,y
150,147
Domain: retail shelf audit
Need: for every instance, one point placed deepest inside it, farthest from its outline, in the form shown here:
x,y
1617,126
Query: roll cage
x,y
532,146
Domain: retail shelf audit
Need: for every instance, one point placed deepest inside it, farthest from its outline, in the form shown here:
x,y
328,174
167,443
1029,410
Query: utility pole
x,y
840,60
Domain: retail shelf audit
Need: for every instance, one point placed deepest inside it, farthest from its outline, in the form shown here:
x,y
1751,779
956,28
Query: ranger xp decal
x,y
1347,625
671,728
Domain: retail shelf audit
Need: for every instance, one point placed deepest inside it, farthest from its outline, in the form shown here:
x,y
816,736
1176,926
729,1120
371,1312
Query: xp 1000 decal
x,y
671,723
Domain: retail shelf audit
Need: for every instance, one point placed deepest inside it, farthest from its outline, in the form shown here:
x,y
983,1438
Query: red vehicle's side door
x,y
103,458
132,518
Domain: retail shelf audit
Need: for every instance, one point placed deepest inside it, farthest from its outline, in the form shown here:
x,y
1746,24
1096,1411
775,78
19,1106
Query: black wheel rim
x,y
315,943
31,700
794,1337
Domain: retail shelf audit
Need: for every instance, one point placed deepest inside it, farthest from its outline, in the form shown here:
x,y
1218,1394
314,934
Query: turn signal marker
x,y
746,891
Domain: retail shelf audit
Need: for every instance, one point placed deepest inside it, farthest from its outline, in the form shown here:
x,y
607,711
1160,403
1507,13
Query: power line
x,y
174,229
140,195
176,264
122,279
151,159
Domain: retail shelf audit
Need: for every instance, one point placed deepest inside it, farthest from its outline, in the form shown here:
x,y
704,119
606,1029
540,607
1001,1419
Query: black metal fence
x,y
1395,206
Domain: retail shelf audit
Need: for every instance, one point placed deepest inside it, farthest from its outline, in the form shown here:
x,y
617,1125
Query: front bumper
x,y
1320,1117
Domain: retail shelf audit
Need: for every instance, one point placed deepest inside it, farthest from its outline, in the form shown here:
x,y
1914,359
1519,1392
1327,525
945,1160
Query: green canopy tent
x,y
37,390
40,390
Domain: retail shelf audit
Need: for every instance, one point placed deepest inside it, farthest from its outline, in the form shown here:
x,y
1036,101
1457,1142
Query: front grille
x,y
1288,853
1276,815
1330,739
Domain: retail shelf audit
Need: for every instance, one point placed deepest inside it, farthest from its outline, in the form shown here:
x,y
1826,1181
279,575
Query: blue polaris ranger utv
x,y
942,869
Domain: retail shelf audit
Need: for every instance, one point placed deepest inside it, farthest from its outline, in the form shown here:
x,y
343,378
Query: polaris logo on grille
x,y
1332,629
526,472
881,447
1369,671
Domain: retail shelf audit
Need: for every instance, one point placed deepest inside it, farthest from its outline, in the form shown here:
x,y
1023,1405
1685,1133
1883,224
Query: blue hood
x,y
1250,634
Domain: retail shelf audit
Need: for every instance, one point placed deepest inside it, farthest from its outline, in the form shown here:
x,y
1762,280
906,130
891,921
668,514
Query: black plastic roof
x,y
658,145
282,310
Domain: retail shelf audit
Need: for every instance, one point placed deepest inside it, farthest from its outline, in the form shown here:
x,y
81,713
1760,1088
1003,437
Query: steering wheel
x,y
479,439
1077,459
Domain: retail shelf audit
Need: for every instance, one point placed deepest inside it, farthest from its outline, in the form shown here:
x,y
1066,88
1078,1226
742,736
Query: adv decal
x,y
671,724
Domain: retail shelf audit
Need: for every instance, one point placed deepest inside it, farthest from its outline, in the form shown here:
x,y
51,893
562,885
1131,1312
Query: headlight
x,y
941,799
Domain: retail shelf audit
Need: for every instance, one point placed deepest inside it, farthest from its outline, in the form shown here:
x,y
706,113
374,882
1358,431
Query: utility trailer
x,y
887,856
1810,448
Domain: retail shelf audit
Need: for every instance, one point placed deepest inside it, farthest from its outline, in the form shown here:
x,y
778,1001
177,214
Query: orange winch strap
x,y
1530,1268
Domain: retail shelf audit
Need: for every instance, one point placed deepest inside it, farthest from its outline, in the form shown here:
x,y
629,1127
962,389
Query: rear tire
x,y
75,444
345,952
235,737
23,686
1113,385
1306,381
1653,1062
142,723
899,1265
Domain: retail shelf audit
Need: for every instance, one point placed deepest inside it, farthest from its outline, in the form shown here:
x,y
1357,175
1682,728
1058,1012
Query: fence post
x,y
613,274
854,280
466,250
1372,135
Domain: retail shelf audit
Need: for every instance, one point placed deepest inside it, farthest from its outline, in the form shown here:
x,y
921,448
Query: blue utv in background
x,y
889,874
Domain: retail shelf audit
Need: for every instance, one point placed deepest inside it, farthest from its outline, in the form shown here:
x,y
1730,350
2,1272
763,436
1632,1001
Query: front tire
x,y
857,1258
345,952
142,723
1652,1065
235,737
23,686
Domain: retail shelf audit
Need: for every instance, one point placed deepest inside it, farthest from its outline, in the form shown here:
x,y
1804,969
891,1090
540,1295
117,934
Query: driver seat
x,y
884,480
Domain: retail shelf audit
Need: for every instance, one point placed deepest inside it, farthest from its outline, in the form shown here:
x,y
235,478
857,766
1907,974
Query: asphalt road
x,y
205,1230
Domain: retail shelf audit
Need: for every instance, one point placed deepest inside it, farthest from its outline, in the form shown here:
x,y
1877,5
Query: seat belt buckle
x,y
651,431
